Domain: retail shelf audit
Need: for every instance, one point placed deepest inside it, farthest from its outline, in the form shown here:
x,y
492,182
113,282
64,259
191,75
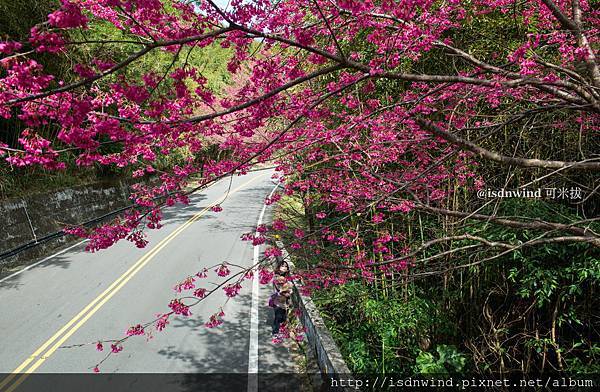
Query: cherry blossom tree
x,y
372,108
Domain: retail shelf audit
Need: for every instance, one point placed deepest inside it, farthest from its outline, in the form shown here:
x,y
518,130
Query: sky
x,y
221,3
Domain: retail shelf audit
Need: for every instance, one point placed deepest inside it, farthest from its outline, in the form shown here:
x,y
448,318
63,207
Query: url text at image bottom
x,y
388,382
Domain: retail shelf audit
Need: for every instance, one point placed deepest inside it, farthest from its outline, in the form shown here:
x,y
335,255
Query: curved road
x,y
78,297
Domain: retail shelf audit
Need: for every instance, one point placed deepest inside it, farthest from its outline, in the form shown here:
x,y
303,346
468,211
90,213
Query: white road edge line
x,y
253,344
41,261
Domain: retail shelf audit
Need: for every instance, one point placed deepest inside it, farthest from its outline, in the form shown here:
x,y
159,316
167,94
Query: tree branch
x,y
249,103
493,156
533,225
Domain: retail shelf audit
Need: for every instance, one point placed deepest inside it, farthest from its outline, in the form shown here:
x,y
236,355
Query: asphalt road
x,y
79,297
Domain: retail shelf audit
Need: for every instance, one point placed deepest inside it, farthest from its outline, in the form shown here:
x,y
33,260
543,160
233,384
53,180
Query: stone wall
x,y
31,218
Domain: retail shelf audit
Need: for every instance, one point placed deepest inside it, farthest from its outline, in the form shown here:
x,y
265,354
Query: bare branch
x,y
576,29
335,40
565,22
533,225
493,156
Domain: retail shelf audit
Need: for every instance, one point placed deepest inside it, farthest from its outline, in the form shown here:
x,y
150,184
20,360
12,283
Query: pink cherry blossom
x,y
223,270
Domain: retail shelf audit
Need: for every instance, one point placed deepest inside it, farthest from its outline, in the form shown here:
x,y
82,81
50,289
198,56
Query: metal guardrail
x,y
58,234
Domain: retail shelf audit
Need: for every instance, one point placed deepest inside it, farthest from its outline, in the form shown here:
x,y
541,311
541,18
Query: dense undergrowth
x,y
528,311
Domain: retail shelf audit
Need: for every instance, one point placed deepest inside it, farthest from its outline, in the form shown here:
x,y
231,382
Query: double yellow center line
x,y
57,340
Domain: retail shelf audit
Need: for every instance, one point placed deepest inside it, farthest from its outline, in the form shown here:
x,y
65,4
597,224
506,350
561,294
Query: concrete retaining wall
x,y
29,218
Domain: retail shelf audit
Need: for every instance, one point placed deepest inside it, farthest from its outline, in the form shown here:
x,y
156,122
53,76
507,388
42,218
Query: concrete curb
x,y
329,358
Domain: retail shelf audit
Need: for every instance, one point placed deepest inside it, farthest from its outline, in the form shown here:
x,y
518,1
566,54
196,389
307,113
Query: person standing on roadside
x,y
281,303
282,269
278,282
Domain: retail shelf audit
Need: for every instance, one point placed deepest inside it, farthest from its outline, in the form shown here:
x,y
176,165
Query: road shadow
x,y
180,212
171,215
61,260
225,352
224,348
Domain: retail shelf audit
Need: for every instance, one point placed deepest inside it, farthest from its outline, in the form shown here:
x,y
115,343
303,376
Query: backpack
x,y
272,299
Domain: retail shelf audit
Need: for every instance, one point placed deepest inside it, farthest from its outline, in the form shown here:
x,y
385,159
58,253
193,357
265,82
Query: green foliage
x,y
27,181
16,20
447,361
380,335
176,157
116,45
17,17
